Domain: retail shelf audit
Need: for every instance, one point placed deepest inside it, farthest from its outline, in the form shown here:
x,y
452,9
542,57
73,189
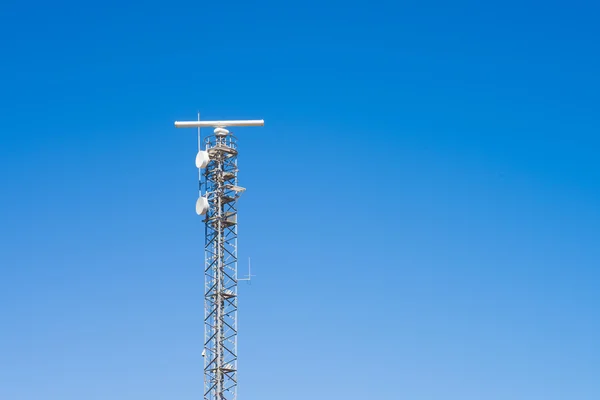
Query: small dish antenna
x,y
201,205
202,159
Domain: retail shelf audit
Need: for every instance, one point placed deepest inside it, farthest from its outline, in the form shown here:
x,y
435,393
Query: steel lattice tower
x,y
219,192
220,249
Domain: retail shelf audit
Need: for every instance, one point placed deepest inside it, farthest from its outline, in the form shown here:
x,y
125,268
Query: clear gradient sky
x,y
422,209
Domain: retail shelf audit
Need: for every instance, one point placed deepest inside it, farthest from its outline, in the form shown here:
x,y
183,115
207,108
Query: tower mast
x,y
219,192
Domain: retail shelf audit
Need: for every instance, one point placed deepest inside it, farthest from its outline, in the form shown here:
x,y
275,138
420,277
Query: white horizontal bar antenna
x,y
217,124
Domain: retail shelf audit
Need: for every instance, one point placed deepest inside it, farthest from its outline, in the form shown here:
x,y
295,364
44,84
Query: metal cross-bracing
x,y
219,184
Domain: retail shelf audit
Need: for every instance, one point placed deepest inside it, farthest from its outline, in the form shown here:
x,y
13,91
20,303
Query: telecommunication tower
x,y
217,202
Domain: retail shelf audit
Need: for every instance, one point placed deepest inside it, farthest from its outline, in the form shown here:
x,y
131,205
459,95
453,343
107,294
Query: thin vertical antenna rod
x,y
249,276
219,193
199,169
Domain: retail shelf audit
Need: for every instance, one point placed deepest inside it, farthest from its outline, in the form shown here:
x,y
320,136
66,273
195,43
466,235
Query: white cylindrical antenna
x,y
218,124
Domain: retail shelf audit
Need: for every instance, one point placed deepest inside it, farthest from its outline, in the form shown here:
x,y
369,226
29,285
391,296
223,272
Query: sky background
x,y
422,209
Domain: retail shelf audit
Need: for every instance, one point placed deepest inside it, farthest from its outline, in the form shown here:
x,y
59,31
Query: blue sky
x,y
422,209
